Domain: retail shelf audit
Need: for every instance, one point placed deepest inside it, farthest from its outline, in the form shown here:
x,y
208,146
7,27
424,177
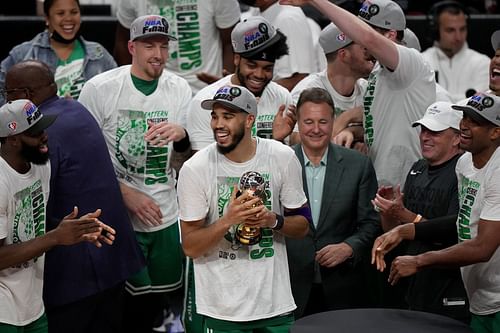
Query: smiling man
x,y
241,287
430,191
139,107
478,222
257,45
24,180
328,266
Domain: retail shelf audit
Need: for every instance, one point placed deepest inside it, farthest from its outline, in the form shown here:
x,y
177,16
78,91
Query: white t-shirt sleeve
x,y
126,12
185,101
227,13
491,206
89,99
411,67
292,194
300,58
4,204
198,124
193,204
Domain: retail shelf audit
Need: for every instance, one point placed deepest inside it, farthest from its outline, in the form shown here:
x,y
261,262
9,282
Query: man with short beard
x,y
24,180
140,108
241,285
81,174
257,45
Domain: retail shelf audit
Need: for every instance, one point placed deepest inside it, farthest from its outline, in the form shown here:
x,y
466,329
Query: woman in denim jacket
x,y
73,59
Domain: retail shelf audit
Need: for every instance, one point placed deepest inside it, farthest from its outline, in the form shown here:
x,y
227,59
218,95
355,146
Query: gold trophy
x,y
251,182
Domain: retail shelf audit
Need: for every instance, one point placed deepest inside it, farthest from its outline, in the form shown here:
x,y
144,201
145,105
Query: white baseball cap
x,y
440,116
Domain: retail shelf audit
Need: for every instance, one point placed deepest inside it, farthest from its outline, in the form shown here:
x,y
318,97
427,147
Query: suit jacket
x,y
346,215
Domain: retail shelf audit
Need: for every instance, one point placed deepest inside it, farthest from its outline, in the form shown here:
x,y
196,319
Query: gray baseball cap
x,y
332,39
149,25
440,116
385,14
482,107
234,97
411,40
253,35
495,40
22,116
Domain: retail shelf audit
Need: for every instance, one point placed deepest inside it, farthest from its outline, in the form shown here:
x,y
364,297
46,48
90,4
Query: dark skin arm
x,y
478,249
290,82
70,231
227,49
120,51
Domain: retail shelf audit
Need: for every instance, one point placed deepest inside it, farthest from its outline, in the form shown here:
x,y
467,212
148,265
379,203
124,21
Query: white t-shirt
x,y
292,22
23,199
320,80
252,282
198,119
479,198
468,69
196,24
392,102
123,113
320,58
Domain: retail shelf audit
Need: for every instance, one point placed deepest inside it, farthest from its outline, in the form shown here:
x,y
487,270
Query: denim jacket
x,y
97,58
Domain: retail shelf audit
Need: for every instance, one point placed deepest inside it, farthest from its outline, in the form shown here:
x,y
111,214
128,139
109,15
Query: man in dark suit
x,y
328,267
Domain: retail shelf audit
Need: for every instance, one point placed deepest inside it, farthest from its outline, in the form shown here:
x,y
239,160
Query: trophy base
x,y
248,235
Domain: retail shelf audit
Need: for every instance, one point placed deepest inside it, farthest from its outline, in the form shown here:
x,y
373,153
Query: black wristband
x,y
280,220
182,145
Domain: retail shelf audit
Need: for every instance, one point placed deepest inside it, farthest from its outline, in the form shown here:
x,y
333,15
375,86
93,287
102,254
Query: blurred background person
x,y
459,69
73,59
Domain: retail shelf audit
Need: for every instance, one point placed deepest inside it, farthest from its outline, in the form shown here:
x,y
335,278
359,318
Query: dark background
x,y
17,29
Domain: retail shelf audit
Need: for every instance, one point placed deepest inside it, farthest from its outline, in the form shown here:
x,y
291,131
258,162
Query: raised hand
x,y
284,122
162,133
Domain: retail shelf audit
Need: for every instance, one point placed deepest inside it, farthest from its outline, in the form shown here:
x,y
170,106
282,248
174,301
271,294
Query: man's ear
x,y
495,134
250,120
131,47
236,60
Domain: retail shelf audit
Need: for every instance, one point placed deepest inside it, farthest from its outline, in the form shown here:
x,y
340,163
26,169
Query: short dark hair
x,y
400,34
47,4
317,96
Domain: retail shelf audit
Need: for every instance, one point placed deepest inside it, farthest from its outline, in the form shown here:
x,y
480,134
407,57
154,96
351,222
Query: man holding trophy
x,y
239,198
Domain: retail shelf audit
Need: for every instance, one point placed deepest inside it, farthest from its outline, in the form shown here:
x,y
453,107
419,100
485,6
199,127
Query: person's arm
x,y
388,241
354,115
227,49
120,50
141,205
478,249
383,49
199,238
440,229
71,230
291,81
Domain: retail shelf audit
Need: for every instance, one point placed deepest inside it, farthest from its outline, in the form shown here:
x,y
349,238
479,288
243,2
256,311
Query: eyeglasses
x,y
24,90
9,92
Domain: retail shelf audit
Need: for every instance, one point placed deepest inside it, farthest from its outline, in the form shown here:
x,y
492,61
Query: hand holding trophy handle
x,y
253,184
